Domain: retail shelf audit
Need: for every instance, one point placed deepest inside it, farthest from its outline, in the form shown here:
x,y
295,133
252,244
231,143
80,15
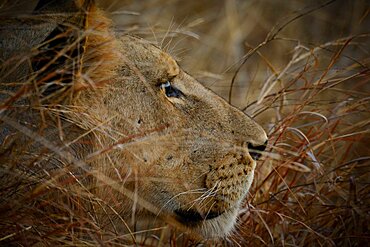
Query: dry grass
x,y
301,69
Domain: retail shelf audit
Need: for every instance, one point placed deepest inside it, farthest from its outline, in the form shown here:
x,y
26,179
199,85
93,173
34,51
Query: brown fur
x,y
109,142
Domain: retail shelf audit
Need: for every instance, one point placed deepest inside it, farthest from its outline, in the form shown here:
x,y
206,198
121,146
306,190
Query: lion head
x,y
192,153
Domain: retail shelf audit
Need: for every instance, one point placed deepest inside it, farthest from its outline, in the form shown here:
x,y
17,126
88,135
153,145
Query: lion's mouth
x,y
191,217
214,224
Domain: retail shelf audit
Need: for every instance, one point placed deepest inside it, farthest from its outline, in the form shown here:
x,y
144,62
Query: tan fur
x,y
129,145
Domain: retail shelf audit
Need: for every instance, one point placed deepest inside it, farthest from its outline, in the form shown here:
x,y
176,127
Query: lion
x,y
107,127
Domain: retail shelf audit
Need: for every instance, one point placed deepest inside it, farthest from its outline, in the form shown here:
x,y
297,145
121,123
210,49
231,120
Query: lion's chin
x,y
213,226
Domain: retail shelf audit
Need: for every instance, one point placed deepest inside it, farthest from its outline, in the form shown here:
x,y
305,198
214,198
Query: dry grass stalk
x,y
312,184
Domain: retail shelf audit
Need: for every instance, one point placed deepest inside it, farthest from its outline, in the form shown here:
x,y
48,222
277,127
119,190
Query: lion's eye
x,y
171,91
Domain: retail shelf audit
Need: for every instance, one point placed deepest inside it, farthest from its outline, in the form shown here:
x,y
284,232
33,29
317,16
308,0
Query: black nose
x,y
256,151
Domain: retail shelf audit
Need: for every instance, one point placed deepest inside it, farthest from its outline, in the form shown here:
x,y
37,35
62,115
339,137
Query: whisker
x,y
195,191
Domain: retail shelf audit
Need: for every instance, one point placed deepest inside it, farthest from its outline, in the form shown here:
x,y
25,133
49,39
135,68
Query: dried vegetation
x,y
301,68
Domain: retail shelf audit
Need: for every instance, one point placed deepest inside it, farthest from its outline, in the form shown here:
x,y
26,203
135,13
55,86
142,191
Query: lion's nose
x,y
256,151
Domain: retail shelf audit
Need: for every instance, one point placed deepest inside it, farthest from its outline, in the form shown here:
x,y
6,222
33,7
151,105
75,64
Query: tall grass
x,y
300,68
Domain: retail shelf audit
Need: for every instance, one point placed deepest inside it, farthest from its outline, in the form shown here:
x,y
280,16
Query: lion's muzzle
x,y
230,180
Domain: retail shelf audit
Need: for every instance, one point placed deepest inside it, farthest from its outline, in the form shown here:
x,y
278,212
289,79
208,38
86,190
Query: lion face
x,y
174,143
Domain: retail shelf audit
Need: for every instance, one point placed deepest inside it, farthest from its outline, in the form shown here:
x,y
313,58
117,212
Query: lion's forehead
x,y
148,59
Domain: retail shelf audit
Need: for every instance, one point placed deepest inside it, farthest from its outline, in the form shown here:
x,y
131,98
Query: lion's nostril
x,y
256,151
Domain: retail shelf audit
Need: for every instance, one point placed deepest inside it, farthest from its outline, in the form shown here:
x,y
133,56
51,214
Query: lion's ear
x,y
61,47
57,63
79,52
